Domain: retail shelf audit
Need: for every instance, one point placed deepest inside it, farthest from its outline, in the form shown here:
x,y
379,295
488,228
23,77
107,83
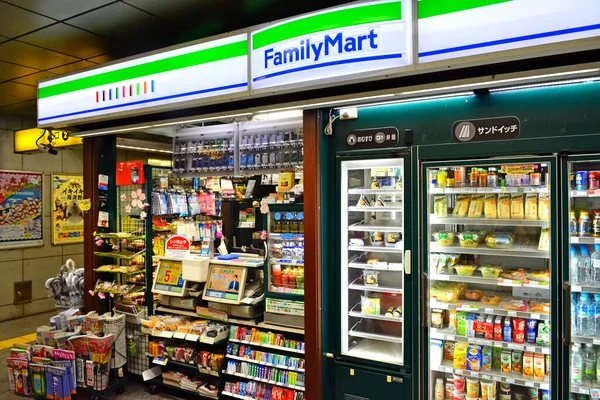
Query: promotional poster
x,y
21,213
67,215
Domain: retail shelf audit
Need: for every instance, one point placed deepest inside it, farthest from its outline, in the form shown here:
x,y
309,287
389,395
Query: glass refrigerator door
x,y
488,244
372,246
584,277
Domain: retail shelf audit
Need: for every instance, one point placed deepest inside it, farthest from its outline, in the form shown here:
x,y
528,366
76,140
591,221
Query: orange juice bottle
x,y
276,269
285,278
292,278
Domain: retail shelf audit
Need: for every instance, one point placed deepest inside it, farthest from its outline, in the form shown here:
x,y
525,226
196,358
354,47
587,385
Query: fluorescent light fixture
x,y
137,128
202,119
144,145
264,116
309,106
546,84
413,99
145,149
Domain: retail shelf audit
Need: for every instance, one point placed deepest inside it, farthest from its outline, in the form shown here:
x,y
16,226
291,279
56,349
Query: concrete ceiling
x,y
46,38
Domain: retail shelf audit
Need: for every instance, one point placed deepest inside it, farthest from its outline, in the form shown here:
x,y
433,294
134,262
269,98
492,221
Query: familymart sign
x,y
334,44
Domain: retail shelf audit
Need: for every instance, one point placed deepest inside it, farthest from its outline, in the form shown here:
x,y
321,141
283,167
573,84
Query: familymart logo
x,y
125,91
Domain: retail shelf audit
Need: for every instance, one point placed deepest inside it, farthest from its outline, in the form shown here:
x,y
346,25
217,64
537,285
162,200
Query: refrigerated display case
x,y
285,269
373,216
582,277
490,270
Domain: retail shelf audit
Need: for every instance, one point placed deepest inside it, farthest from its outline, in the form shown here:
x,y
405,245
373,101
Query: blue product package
x,y
250,160
230,161
229,348
243,160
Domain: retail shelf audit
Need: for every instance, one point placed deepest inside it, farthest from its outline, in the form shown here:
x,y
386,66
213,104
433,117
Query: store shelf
x,y
236,396
375,350
397,192
264,363
377,249
584,240
119,254
192,367
482,250
357,314
295,387
444,335
391,267
585,339
374,336
389,209
585,289
377,226
268,346
287,236
285,261
586,389
513,379
480,307
492,281
119,236
585,193
470,190
115,271
265,326
159,382
359,285
279,289
488,221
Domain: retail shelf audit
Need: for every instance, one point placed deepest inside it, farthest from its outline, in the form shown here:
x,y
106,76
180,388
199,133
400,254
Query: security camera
x,y
48,148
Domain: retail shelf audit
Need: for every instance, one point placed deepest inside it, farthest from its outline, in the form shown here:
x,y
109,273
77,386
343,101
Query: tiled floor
x,y
14,331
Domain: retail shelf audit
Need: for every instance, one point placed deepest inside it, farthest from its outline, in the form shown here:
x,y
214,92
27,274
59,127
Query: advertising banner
x,y
21,209
67,215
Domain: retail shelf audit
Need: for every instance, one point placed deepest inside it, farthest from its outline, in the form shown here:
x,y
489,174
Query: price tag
x,y
530,348
497,378
160,361
528,383
467,307
485,377
514,346
509,380
179,335
576,288
512,313
595,393
192,338
381,264
489,310
535,316
596,341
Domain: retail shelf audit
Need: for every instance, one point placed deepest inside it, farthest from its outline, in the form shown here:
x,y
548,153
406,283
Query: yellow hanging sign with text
x,y
25,139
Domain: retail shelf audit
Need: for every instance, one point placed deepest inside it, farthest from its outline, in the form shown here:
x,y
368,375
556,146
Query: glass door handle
x,y
424,313
566,311
329,355
407,265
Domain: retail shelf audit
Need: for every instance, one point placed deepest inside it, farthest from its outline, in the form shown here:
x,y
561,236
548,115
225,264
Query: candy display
x,y
253,335
270,374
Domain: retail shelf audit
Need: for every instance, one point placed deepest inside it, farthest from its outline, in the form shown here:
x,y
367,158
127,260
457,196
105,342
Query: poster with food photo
x,y
21,213
67,215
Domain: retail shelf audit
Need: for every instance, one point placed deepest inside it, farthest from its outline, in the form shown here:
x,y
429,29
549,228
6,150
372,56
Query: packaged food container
x,y
490,271
465,270
392,239
469,239
472,388
499,241
444,239
377,239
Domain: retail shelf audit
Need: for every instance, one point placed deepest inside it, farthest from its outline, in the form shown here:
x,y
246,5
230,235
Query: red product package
x,y
519,330
498,329
203,358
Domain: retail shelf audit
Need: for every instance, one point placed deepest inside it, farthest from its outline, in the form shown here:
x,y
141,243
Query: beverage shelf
x,y
585,289
378,249
263,363
376,226
254,378
445,334
585,193
355,312
286,261
488,221
470,190
472,306
585,340
375,336
497,376
268,346
397,192
584,240
482,250
389,209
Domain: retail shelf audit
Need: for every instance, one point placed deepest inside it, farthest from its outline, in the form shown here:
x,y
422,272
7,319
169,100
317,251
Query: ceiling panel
x,y
104,58
184,12
27,109
120,21
32,56
60,9
7,99
33,79
19,90
10,71
16,21
70,40
76,66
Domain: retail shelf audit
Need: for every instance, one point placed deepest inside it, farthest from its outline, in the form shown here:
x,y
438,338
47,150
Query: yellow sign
x,y
517,169
169,273
25,139
67,211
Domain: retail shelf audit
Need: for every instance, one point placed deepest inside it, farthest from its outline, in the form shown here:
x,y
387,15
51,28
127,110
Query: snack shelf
x,y
287,236
389,209
285,261
482,308
119,236
470,190
236,396
190,366
139,271
585,289
268,346
375,336
397,192
585,339
295,387
488,221
513,379
443,335
376,226
492,281
515,251
377,249
391,267
585,193
264,363
358,314
159,382
372,288
120,255
584,240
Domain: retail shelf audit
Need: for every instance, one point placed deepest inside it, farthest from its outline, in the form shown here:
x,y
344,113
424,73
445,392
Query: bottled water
x,y
574,266
574,322
596,265
597,315
589,364
584,265
584,313
576,365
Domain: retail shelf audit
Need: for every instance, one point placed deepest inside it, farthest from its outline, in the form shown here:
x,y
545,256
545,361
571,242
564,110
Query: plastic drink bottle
x,y
596,266
574,266
584,315
584,266
596,315
576,364
574,322
589,363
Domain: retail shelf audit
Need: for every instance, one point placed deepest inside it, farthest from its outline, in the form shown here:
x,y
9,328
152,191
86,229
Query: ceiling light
x,y
146,149
191,121
263,116
112,131
413,99
546,84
